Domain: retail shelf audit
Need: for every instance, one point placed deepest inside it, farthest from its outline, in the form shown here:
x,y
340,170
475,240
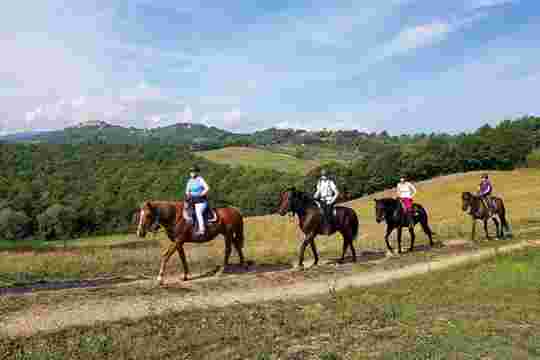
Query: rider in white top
x,y
405,192
327,193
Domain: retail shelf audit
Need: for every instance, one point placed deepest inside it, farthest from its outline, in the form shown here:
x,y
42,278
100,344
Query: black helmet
x,y
195,169
484,176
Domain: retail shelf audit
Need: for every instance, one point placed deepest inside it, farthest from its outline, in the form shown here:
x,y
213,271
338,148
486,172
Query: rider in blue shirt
x,y
197,192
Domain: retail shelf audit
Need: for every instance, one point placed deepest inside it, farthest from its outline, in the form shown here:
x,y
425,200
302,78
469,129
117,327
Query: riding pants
x,y
199,211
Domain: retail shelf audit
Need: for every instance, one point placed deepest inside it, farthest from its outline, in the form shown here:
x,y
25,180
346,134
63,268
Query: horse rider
x,y
327,194
406,192
485,192
197,194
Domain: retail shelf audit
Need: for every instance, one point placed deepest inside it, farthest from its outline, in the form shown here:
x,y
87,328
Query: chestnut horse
x,y
313,224
479,211
169,214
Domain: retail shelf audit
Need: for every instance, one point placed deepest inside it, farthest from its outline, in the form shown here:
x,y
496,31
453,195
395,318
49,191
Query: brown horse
x,y
480,211
312,223
170,215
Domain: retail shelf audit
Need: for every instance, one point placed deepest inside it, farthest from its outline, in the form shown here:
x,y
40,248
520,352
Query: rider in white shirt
x,y
327,194
405,192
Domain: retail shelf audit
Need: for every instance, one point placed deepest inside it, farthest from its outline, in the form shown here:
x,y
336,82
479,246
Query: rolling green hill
x,y
244,156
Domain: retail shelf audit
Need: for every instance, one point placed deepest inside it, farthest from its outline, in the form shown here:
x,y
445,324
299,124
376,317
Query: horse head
x,y
286,201
379,210
466,200
147,219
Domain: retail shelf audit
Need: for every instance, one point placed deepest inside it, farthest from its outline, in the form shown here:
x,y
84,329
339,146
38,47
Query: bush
x,y
57,222
14,225
533,159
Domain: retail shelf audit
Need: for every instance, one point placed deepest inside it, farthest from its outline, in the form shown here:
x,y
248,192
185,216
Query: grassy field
x,y
484,311
274,239
244,156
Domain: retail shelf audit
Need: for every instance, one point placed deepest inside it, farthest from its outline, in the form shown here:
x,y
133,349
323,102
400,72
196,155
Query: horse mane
x,y
388,201
302,200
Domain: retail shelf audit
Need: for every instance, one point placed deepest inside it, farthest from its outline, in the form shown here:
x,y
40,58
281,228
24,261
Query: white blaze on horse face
x,y
141,217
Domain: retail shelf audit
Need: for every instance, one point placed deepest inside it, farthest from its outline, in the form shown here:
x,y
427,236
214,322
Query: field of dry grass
x,y
274,239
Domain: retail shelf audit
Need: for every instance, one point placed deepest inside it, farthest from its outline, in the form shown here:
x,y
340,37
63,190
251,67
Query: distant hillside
x,y
101,132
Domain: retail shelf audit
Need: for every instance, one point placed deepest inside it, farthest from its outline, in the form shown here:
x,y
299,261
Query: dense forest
x,y
63,190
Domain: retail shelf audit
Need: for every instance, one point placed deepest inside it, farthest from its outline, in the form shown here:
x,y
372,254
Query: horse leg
x,y
228,249
344,251
164,259
238,248
486,228
351,245
301,251
473,232
400,229
388,232
427,230
314,251
411,232
182,256
499,228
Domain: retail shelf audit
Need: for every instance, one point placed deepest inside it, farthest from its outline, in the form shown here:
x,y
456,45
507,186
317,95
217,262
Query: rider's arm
x,y
335,190
398,191
187,188
318,192
413,190
206,187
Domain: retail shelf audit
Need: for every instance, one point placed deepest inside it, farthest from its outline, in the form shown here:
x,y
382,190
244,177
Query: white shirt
x,y
326,190
406,190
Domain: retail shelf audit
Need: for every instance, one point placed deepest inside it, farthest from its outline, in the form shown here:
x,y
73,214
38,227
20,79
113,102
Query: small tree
x,y
14,225
533,159
57,222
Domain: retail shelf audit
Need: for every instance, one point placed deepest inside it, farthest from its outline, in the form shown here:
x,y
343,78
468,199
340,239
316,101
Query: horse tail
x,y
239,233
502,215
355,225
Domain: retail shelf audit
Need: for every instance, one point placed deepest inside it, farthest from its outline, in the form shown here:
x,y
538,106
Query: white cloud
x,y
233,119
476,4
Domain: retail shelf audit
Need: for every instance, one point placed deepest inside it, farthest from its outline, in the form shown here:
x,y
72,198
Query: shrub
x,y
533,159
14,225
57,222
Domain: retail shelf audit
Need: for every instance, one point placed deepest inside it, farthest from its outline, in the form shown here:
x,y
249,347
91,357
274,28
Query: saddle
x,y
210,215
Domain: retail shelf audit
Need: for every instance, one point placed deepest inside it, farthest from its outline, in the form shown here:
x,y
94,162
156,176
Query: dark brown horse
x,y
391,211
479,211
170,215
311,222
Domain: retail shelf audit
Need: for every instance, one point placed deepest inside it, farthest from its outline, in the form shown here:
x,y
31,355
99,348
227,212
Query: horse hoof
x,y
159,280
299,267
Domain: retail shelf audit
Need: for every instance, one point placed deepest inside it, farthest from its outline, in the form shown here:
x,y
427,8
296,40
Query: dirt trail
x,y
88,312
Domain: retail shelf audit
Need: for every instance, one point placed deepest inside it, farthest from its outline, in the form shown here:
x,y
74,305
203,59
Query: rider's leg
x,y
408,210
199,210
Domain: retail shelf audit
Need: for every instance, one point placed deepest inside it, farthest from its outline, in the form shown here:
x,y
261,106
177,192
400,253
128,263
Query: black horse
x,y
312,223
392,212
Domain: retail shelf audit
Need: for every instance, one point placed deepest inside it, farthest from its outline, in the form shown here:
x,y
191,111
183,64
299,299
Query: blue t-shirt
x,y
196,186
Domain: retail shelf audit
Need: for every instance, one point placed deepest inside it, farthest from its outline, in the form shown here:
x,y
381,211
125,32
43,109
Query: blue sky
x,y
396,65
